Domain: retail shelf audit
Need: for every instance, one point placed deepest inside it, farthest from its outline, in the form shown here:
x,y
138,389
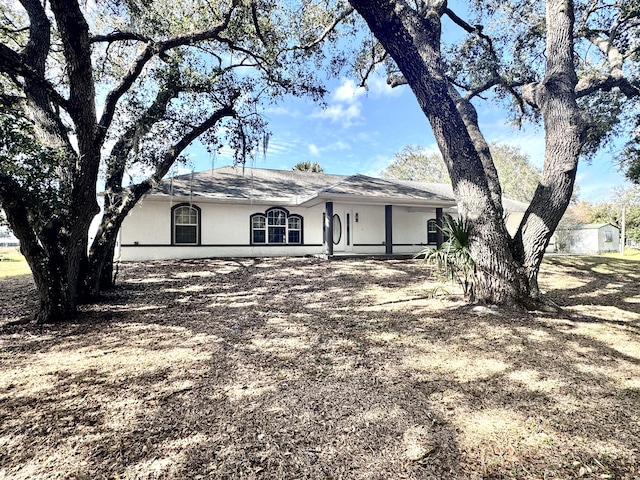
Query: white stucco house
x,y
251,212
585,239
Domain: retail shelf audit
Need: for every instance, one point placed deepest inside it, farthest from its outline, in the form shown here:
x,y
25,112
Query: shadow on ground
x,y
301,368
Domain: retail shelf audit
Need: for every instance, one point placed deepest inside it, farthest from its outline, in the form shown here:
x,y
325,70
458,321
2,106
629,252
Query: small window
x,y
608,236
295,230
259,229
432,232
186,223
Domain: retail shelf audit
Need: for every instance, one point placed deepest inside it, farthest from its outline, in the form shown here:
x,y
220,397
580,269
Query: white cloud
x,y
348,115
379,87
281,110
313,150
340,145
344,106
347,92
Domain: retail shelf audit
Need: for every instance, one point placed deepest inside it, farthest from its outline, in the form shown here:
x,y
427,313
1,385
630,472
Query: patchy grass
x,y
12,263
301,368
629,254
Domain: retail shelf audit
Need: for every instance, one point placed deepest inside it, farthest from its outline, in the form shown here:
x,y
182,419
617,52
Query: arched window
x,y
276,227
432,232
185,225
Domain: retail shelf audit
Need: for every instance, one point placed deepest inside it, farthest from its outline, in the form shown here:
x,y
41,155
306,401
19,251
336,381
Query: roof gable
x,y
365,186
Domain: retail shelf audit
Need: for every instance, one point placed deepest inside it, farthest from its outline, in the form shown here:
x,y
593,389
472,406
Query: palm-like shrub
x,y
307,166
453,257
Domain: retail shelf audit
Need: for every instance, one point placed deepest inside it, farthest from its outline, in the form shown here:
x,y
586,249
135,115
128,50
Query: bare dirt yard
x,y
309,369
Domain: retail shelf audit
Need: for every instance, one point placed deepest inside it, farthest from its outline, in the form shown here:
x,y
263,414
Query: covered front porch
x,y
414,229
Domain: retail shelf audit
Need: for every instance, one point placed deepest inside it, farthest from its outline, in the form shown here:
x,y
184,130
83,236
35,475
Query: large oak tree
x,y
129,85
577,85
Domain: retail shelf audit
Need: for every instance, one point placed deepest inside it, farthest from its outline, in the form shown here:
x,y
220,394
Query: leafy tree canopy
x,y
127,85
519,179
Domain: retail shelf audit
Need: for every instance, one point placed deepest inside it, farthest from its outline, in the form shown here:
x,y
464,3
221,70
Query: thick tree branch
x,y
615,77
31,65
256,22
117,161
118,36
12,64
13,202
74,32
152,49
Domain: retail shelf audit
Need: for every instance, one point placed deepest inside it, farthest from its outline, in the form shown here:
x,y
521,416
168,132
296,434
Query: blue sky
x,y
359,131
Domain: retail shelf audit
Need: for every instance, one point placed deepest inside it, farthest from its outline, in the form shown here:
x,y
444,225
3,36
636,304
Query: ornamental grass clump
x,y
453,257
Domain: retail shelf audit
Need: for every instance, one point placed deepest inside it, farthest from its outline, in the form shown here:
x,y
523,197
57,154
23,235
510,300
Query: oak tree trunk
x,y
414,43
564,128
507,269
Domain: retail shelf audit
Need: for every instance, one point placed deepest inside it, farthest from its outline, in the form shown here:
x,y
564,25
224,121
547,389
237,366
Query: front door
x,y
343,231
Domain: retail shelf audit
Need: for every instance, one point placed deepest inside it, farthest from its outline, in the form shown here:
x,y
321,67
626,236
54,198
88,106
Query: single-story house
x,y
585,239
252,212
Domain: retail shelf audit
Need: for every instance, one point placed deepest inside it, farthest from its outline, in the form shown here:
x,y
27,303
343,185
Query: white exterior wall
x,y
148,223
614,244
410,229
584,241
367,235
225,231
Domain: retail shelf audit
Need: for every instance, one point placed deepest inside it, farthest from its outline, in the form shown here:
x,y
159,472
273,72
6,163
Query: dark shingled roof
x,y
291,187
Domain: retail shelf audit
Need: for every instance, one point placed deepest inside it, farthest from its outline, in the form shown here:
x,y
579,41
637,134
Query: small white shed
x,y
586,239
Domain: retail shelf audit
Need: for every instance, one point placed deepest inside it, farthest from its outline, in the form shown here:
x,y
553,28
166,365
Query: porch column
x,y
328,228
439,236
388,229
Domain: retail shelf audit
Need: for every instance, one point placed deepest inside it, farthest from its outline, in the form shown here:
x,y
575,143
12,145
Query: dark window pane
x,y
186,234
294,223
294,236
259,236
277,217
337,229
277,234
259,222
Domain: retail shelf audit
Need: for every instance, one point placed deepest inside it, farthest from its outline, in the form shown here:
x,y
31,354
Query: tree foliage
x,y
417,163
518,177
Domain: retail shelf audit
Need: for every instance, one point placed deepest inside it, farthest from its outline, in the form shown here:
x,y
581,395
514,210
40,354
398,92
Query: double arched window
x,y
276,226
185,224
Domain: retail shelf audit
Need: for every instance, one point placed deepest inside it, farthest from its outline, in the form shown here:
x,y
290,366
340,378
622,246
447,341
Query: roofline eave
x,y
365,200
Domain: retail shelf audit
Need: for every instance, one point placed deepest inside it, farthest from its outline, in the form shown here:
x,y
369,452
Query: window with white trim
x,y
432,232
186,225
294,229
258,229
276,226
